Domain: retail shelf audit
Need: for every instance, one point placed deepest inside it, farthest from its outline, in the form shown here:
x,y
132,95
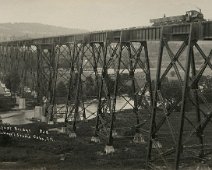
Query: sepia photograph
x,y
105,85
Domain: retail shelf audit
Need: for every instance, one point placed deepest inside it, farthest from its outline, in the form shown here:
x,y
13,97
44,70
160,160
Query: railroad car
x,y
190,16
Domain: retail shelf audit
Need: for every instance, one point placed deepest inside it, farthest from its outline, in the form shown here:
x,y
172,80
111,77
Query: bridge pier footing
x,y
17,99
139,139
50,122
39,114
22,103
72,135
95,139
109,149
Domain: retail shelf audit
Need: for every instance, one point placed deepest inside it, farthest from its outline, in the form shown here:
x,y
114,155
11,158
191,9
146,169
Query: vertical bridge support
x,y
164,113
123,66
47,77
83,82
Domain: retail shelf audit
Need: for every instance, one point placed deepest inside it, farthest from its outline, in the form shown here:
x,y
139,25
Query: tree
x,y
12,81
172,73
61,90
89,88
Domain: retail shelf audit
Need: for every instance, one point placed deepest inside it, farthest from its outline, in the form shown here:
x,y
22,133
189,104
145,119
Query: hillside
x,y
14,31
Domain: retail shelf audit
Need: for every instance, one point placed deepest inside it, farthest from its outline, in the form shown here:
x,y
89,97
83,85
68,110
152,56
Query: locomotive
x,y
190,16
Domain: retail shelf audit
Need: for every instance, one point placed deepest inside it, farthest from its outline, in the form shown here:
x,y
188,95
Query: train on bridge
x,y
190,16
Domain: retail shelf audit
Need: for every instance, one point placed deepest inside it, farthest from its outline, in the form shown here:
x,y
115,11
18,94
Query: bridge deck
x,y
153,33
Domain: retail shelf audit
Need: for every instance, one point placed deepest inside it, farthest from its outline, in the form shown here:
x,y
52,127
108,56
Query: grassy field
x,y
81,154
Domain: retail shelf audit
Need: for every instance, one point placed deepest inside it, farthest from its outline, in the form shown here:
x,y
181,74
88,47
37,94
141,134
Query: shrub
x,y
61,90
12,81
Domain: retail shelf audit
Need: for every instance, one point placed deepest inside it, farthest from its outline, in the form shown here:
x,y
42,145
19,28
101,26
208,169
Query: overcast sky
x,y
96,14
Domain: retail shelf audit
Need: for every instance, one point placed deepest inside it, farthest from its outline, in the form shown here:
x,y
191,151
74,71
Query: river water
x,y
17,117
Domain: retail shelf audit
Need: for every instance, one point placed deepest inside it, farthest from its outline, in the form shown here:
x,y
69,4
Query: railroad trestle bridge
x,y
103,66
